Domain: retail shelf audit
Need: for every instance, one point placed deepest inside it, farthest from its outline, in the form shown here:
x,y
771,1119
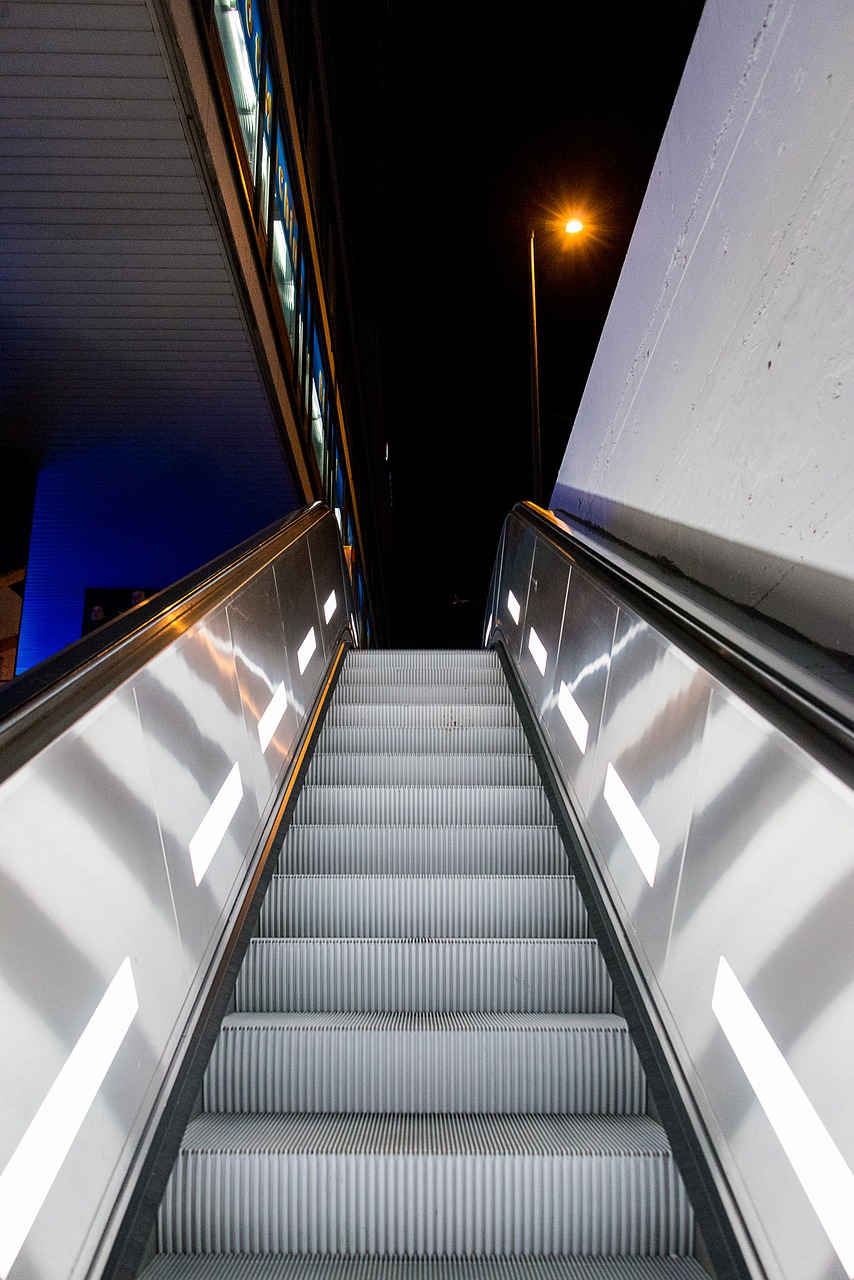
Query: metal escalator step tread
x,y
428,850
395,740
546,1063
411,805
424,694
425,906
461,713
427,659
439,1184
498,1267
421,975
413,1135
369,678
377,769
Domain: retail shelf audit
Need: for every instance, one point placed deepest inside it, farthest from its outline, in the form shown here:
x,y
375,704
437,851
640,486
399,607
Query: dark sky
x,y
494,124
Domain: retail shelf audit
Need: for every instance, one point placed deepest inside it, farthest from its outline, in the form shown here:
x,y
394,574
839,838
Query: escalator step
x,y
427,660
413,805
430,850
582,1063
423,907
427,693
440,1185
421,770
460,713
393,740
423,976
367,678
257,1267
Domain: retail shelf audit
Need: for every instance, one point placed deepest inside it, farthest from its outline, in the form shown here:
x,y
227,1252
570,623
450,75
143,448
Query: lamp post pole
x,y
536,454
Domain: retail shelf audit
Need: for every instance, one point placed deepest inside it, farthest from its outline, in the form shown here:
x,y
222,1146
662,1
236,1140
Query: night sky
x,y
493,125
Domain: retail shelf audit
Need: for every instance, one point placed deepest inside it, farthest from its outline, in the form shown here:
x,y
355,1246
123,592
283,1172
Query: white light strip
x,y
576,721
305,650
330,606
513,606
633,824
38,1157
272,717
214,824
538,651
815,1158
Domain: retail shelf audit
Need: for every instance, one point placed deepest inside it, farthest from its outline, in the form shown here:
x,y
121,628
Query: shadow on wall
x,y
810,605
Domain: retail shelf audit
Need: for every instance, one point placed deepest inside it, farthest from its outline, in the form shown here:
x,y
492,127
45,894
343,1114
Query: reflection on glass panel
x,y
240,36
304,336
266,144
318,408
285,241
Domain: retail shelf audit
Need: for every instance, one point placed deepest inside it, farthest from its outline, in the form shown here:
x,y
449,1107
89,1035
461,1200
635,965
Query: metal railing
x,y
139,797
713,807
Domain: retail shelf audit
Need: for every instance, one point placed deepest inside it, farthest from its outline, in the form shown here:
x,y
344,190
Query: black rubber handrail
x,y
41,703
819,719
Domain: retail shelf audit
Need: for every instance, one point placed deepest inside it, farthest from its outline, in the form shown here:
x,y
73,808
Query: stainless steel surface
x,y
264,678
519,544
652,725
103,887
84,885
192,719
745,855
577,695
769,884
328,574
543,618
301,619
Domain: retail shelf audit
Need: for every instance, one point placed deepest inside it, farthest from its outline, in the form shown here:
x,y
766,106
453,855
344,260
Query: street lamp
x,y
573,226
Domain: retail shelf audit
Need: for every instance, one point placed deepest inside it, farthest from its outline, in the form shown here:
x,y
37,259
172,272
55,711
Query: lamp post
x,y
536,453
572,228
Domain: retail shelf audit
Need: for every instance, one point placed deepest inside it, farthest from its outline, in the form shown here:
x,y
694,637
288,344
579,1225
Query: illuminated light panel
x,y
305,650
215,823
513,606
576,721
814,1156
38,1157
634,826
330,606
272,717
538,652
489,628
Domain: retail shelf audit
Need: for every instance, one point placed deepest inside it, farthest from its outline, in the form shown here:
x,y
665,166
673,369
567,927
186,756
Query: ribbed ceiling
x,y
118,311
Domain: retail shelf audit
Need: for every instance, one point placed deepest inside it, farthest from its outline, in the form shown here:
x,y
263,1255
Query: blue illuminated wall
x,y
134,513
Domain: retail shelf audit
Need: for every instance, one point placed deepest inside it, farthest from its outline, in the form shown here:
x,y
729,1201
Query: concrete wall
x,y
717,426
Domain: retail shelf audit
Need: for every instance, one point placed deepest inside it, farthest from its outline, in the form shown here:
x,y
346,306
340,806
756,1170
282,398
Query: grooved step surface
x,y
394,740
412,805
426,660
435,770
427,693
256,1267
544,1063
423,1078
429,850
460,714
423,976
410,1185
423,907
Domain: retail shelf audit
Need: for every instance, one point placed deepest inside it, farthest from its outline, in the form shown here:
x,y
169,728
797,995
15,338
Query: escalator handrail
x,y
822,726
39,704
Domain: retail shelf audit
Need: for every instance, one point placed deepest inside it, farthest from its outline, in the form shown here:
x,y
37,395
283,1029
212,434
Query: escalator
x,y
302,936
423,1072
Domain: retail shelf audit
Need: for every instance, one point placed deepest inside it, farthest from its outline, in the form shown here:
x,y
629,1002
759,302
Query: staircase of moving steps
x,y
423,1076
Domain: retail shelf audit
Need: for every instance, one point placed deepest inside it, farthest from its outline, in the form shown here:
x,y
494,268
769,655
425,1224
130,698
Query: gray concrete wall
x,y
717,426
